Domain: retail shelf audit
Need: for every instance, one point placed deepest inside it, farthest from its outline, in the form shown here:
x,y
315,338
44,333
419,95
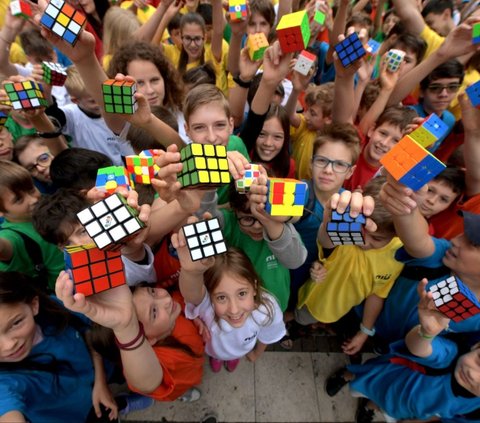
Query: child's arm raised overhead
x,y
12,26
339,27
148,30
410,15
218,24
299,84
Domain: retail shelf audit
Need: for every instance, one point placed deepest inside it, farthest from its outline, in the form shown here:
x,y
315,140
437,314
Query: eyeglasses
x,y
337,165
247,221
195,40
43,160
438,88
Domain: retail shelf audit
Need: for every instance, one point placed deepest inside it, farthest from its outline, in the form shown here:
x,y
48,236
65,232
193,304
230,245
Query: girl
x,y
225,292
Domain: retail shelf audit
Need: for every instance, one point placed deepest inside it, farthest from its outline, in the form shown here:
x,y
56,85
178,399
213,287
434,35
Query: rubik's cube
x,y
25,95
237,9
476,33
285,197
431,129
204,239
54,74
293,32
319,17
93,270
111,177
372,47
110,221
411,164
343,229
204,165
394,59
473,92
21,8
350,49
257,44
63,20
243,185
119,96
454,299
150,153
305,61
3,119
140,169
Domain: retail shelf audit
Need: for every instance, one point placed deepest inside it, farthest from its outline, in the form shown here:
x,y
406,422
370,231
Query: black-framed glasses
x,y
189,40
438,88
247,221
43,160
338,166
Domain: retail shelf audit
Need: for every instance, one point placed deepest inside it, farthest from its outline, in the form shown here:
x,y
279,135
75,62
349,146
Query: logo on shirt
x,y
384,277
250,338
272,262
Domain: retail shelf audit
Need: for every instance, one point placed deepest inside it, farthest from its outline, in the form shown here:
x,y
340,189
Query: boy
x,y
22,248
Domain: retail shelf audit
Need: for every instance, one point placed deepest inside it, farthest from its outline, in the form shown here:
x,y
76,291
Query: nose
x,y
148,89
431,199
257,224
233,307
211,136
257,28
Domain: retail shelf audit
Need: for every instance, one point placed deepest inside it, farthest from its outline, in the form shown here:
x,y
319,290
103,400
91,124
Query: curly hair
x,y
144,51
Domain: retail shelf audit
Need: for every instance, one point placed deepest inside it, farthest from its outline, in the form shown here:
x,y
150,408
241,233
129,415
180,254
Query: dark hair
x,y
139,50
453,177
264,8
363,20
451,69
34,44
55,216
205,11
190,18
174,22
370,95
238,202
101,7
344,133
77,168
14,178
411,42
204,74
380,215
437,7
255,83
23,142
397,116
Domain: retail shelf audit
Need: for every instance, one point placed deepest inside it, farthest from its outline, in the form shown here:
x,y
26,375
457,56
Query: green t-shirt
x,y
17,130
21,260
275,276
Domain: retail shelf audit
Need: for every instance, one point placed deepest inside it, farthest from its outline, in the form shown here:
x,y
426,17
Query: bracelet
x,y
366,331
130,346
241,83
422,334
48,135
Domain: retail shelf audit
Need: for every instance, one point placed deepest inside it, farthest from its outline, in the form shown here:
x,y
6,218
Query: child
x,y
422,377
6,144
226,293
354,273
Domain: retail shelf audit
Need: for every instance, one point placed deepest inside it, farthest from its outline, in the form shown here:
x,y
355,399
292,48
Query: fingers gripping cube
x,y
285,197
25,95
119,96
346,230
63,20
243,185
305,62
431,129
204,239
350,49
293,32
394,59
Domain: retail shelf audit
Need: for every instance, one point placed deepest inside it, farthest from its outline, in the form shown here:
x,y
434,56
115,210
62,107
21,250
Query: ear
x,y
185,125
328,120
74,99
447,14
370,131
35,306
230,121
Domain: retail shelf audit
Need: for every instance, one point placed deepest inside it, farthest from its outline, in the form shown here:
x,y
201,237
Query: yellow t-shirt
x,y
302,148
17,55
353,275
143,15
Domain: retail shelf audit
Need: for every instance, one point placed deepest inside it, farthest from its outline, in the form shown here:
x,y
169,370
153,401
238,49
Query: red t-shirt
x,y
166,264
363,172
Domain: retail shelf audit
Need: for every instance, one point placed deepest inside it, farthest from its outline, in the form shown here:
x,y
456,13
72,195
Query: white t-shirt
x,y
229,343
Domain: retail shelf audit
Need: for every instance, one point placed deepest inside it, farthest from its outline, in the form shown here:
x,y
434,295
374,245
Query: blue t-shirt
x,y
44,397
325,72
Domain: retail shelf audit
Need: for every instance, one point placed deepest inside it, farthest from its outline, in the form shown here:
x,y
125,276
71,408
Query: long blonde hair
x,y
118,26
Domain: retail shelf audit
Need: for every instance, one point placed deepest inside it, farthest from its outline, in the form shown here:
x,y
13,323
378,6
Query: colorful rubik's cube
x,y
394,59
237,9
476,33
93,270
293,32
204,239
243,185
372,47
411,164
285,197
473,92
25,95
350,49
204,165
140,168
431,129
305,62
343,229
111,177
119,96
150,153
63,20
3,119
110,221
454,299
54,74
21,8
257,44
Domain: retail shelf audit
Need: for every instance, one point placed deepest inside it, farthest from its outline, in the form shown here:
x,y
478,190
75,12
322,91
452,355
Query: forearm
x,y
237,98
359,6
263,96
412,229
191,286
98,367
234,54
163,133
419,342
218,24
6,39
471,153
377,108
291,108
288,248
409,14
338,29
371,311
259,349
342,109
357,96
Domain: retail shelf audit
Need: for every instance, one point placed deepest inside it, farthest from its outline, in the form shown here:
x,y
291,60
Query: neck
x,y
370,161
323,196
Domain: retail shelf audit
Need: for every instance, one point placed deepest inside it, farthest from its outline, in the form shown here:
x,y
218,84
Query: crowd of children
x,y
199,81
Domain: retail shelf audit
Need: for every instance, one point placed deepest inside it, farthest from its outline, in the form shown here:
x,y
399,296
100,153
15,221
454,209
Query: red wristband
x,y
128,346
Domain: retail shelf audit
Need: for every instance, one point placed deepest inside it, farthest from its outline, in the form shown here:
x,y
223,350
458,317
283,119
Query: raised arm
x,y
148,30
218,23
11,28
409,15
339,27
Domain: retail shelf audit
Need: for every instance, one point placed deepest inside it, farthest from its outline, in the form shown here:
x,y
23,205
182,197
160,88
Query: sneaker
x,y
335,382
215,365
231,365
192,395
209,418
136,402
364,414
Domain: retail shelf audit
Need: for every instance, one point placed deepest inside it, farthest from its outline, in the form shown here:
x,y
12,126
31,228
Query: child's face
x,y
176,37
257,23
233,300
314,117
17,330
439,94
438,198
381,140
467,371
157,311
87,103
19,207
376,240
78,236
270,141
36,158
463,258
6,144
209,124
326,179
250,226
193,39
149,80
410,59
